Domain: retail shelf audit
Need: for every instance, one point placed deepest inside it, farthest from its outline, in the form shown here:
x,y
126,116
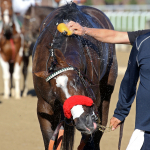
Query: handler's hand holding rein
x,y
76,28
114,123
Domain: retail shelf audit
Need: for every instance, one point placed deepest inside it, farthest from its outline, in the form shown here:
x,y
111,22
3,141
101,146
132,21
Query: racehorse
x,y
74,77
31,24
11,48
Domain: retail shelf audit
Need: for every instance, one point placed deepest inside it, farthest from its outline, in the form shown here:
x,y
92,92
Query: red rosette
x,y
75,100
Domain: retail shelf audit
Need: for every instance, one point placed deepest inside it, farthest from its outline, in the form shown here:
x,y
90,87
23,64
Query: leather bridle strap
x,y
120,135
81,146
60,137
58,72
59,129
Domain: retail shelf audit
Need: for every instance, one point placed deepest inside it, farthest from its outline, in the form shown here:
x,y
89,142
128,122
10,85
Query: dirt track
x,y
19,127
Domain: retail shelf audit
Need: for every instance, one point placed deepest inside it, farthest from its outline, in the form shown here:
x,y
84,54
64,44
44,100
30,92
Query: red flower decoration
x,y
75,100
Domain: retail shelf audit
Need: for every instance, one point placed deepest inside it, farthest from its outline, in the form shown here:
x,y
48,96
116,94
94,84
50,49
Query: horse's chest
x,y
10,49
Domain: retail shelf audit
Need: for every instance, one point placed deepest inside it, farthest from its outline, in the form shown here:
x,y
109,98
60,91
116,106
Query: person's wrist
x,y
84,30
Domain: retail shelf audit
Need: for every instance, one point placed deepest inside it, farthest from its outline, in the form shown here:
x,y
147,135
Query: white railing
x,y
127,17
129,21
122,7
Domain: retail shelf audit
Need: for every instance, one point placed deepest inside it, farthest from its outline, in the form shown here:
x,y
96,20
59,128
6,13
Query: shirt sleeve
x,y
133,35
128,87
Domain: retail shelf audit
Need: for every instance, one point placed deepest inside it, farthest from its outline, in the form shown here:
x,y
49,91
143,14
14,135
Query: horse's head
x,y
31,25
33,18
72,90
83,111
7,15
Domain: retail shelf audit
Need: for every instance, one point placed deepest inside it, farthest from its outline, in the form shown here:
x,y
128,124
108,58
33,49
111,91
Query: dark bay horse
x,y
31,23
74,77
11,48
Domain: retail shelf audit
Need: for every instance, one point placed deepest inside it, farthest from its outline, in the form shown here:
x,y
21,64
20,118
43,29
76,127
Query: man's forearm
x,y
108,36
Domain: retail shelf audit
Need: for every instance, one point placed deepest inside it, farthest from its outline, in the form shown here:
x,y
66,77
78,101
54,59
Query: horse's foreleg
x,y
44,112
106,89
25,72
6,77
16,77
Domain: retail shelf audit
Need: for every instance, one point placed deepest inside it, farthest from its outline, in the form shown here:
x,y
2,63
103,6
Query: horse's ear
x,y
60,58
42,74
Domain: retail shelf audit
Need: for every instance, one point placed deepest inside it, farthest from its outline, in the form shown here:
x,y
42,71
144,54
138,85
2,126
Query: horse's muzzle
x,y
8,31
85,124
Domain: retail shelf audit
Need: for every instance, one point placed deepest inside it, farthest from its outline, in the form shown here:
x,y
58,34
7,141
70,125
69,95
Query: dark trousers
x,y
146,144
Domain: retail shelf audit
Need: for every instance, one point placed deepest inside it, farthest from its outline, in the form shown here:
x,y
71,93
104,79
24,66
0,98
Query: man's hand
x,y
114,123
76,28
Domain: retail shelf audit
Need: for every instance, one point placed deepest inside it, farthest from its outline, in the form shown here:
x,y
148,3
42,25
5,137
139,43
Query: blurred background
x,y
19,126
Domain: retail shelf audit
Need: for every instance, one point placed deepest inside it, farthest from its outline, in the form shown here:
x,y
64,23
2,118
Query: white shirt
x,y
21,6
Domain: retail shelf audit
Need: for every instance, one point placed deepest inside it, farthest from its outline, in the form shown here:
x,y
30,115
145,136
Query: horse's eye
x,y
77,79
51,68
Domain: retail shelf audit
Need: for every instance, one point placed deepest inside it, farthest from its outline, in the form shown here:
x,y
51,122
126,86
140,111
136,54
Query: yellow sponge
x,y
64,29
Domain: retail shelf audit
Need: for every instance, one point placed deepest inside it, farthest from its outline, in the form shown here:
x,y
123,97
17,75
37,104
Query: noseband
x,y
59,72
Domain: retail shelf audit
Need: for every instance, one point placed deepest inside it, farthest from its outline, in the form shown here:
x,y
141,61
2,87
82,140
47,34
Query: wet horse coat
x,y
11,48
93,75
